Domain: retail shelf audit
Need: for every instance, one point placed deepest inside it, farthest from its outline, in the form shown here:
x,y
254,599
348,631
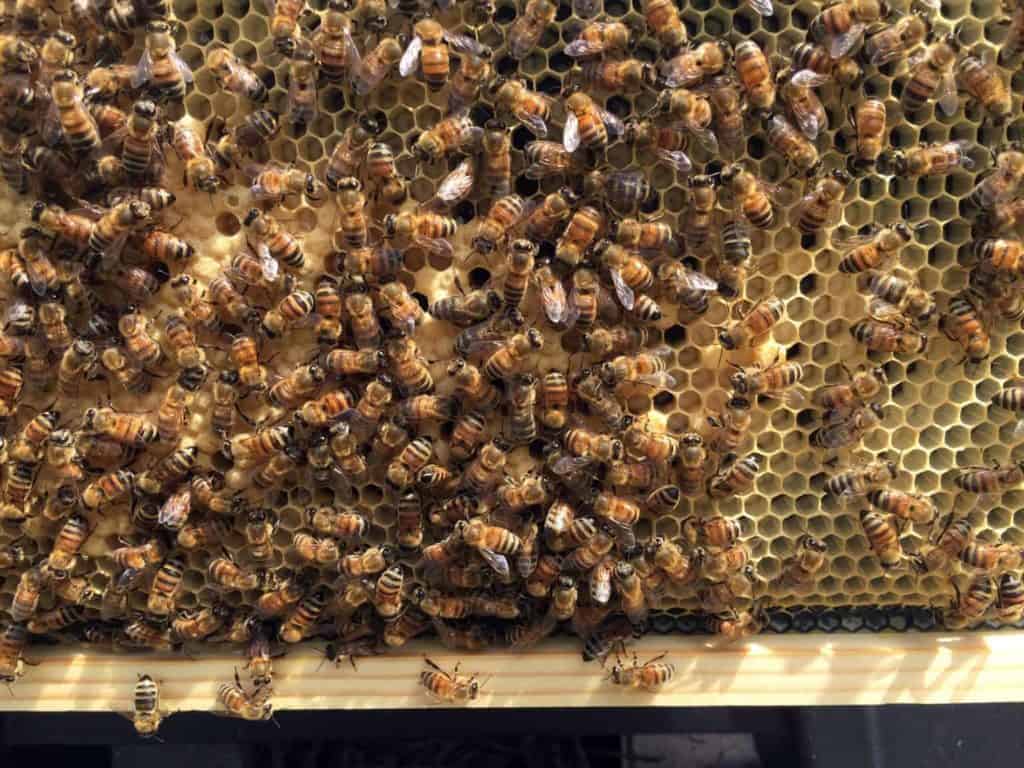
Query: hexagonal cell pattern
x,y
936,419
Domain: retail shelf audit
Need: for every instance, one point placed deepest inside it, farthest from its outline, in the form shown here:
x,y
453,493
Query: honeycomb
x,y
937,419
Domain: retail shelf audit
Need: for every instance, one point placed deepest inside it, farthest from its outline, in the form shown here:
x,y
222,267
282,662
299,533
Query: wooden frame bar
x,y
774,670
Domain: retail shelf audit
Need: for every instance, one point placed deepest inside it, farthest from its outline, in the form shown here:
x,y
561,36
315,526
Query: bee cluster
x,y
460,376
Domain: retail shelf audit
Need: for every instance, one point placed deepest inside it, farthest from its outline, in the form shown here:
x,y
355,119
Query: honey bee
x,y
333,44
13,641
234,76
990,558
733,626
979,75
15,173
587,125
511,354
734,478
387,594
284,24
618,75
998,187
931,159
807,560
348,362
301,102
292,310
663,22
754,75
797,150
224,572
752,196
455,133
166,585
238,702
161,70
897,294
122,428
254,447
503,216
409,367
1010,601
297,387
545,221
275,182
990,479
754,325
549,158
377,64
848,430
428,51
388,186
468,434
428,230
28,593
841,26
599,37
651,676
200,168
474,70
820,207
693,457
194,536
963,324
68,115
272,242
449,687
667,142
969,608
349,153
411,459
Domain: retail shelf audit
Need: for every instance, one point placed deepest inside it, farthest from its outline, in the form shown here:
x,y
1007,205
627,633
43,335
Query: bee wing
x,y
806,120
484,347
436,245
534,122
948,98
352,56
763,7
36,279
675,158
407,64
848,242
600,585
554,301
884,312
571,134
624,293
183,69
1018,429
579,48
567,465
706,138
52,130
463,43
697,281
661,380
457,184
611,122
681,71
573,312
175,510
841,45
143,70
884,55
808,78
498,562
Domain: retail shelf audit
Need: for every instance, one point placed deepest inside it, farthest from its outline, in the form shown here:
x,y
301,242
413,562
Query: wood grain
x,y
774,671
